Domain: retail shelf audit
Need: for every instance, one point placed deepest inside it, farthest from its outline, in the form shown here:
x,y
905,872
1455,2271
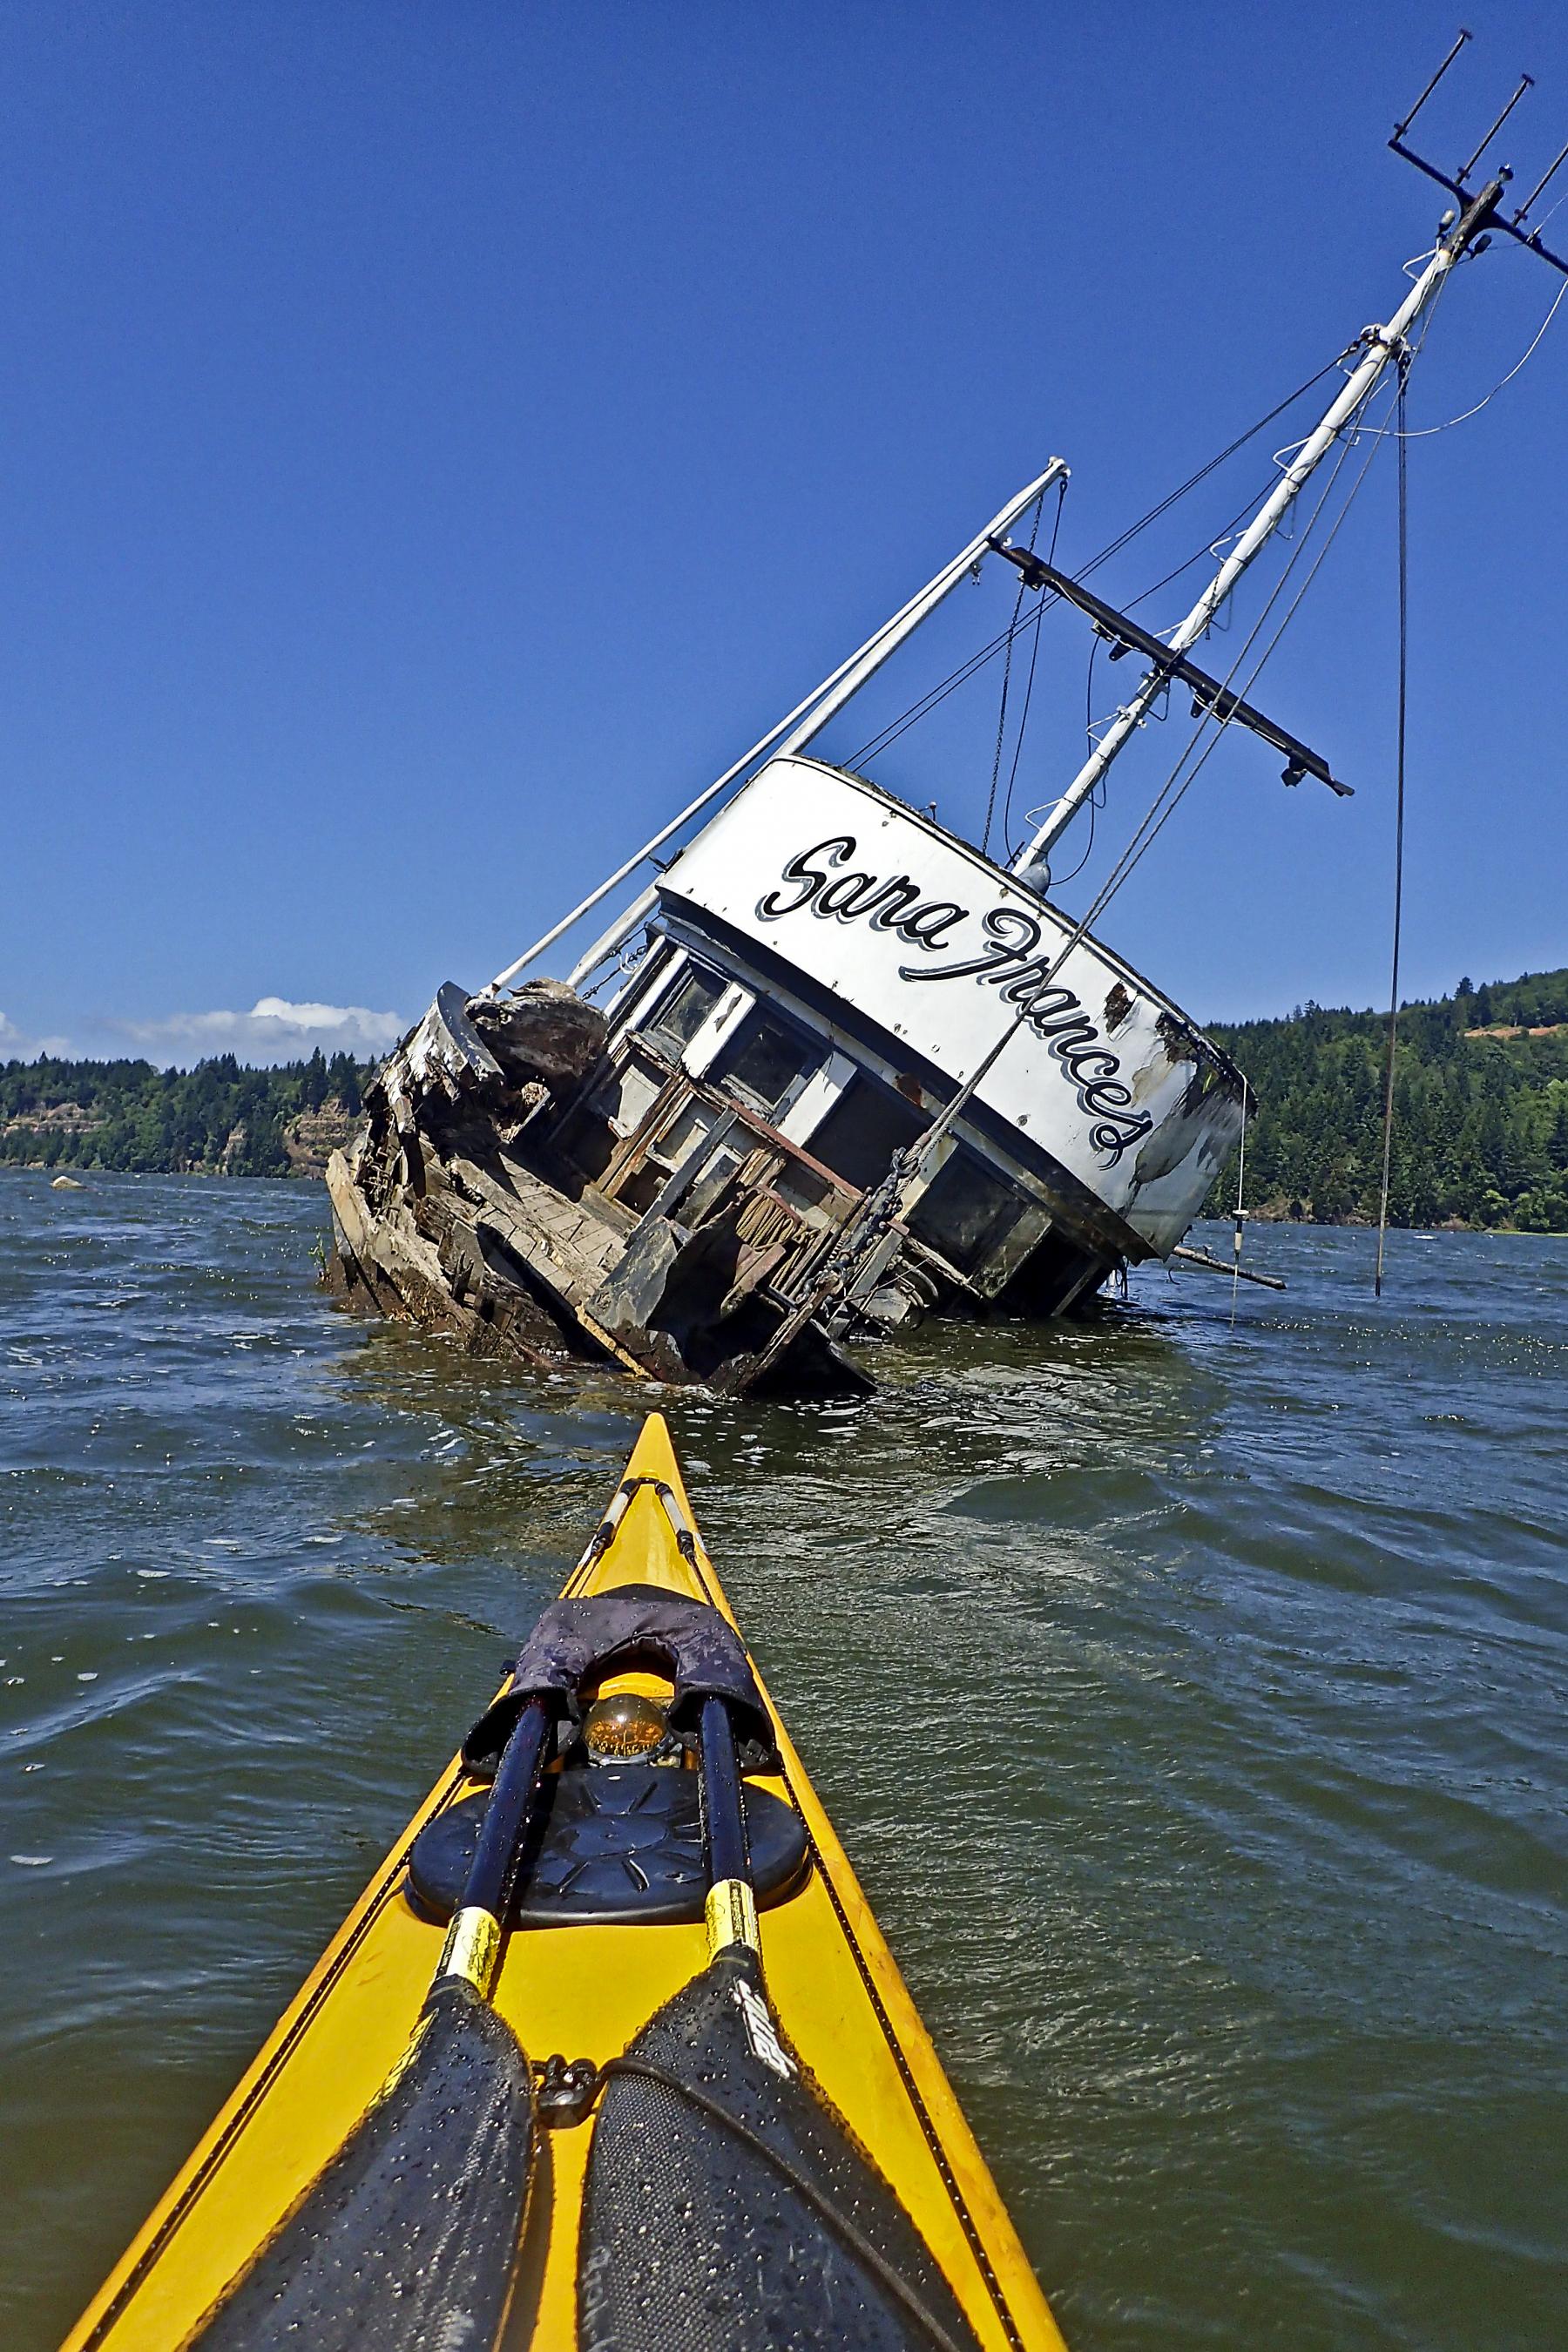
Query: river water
x,y
1190,1699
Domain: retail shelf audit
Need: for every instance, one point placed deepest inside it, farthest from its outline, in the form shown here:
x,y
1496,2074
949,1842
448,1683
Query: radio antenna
x,y
1467,229
1481,206
1401,128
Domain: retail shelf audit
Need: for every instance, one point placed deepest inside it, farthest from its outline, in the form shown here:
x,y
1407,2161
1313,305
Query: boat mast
x,y
1381,346
820,704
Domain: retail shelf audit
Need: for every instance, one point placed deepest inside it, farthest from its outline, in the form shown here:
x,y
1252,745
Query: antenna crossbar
x,y
1401,128
1481,210
1208,694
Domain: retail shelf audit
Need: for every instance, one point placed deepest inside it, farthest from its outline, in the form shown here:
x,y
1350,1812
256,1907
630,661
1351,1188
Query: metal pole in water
x,y
1398,844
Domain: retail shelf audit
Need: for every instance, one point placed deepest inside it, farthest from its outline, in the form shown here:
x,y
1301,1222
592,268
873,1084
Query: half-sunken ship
x,y
849,1072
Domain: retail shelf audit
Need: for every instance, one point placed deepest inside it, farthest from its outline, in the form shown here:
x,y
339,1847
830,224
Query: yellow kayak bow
x,y
616,1945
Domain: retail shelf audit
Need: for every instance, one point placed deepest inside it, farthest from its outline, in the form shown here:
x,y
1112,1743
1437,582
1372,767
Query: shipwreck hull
x,y
452,1215
698,1183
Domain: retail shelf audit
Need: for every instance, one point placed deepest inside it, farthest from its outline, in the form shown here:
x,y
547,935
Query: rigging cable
x,y
1425,432
1398,836
1096,798
1028,694
1135,849
1353,432
908,1164
966,670
1204,472
1156,815
1210,548
1240,1212
1007,667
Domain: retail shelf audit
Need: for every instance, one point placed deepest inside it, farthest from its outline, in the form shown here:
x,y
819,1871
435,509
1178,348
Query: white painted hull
x,y
930,951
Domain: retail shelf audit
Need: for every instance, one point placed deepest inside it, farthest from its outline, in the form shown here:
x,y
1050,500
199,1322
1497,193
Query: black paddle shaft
x,y
498,1855
472,1948
723,1810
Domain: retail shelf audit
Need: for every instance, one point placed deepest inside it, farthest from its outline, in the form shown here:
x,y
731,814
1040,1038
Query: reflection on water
x,y
1189,1699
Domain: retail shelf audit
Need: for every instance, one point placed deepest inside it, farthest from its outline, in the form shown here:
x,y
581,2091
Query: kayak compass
x,y
625,1725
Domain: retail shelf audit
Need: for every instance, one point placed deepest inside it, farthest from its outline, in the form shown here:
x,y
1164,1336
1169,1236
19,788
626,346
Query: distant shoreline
x,y
1480,1136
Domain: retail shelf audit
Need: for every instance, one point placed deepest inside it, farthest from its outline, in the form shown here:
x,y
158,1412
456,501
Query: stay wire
x,y
1094,798
1156,816
1007,673
1208,549
1204,472
1147,829
1169,797
1028,694
1353,432
966,670
907,1165
1240,1212
1425,432
976,661
1398,839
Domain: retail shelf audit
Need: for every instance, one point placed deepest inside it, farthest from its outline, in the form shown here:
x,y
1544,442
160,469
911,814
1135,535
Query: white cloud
x,y
274,1030
15,1045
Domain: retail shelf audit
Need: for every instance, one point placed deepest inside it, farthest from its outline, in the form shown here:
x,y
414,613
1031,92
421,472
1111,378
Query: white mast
x,y
820,704
1383,344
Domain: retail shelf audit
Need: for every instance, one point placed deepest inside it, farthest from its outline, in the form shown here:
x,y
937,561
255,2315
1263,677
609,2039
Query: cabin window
x,y
680,1014
866,1125
631,1097
768,1061
967,1212
646,978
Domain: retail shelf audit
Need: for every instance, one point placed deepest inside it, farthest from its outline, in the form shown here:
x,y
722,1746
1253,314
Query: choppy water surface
x,y
1189,1699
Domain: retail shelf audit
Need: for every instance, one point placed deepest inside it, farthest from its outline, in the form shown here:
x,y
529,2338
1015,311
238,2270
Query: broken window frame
x,y
1012,1203
695,978
812,1052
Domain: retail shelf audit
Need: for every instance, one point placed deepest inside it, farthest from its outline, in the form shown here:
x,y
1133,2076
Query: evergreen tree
x,y
137,1117
1480,1123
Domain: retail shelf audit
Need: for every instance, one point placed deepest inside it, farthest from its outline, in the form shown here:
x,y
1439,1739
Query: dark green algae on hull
x,y
1189,1699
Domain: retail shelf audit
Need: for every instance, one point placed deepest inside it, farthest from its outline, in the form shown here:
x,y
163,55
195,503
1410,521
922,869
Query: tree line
x,y
1481,1132
219,1119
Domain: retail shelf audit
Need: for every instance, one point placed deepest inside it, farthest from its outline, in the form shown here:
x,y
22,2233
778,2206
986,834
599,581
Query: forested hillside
x,y
1480,1120
1480,1134
216,1120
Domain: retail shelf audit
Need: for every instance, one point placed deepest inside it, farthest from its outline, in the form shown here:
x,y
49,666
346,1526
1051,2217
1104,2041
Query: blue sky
x,y
438,439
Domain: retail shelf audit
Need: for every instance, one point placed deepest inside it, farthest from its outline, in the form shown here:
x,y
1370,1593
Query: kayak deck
x,y
582,1992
